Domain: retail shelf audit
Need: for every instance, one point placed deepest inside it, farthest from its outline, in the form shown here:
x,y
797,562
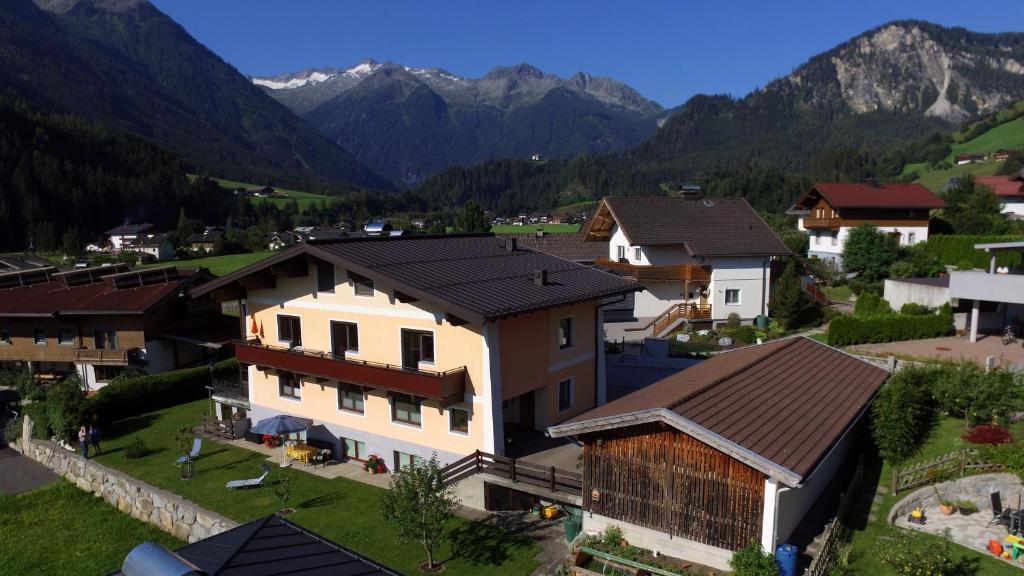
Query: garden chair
x,y
257,482
1000,516
196,445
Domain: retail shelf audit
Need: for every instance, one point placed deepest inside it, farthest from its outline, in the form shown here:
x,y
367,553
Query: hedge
x,y
147,393
954,249
888,328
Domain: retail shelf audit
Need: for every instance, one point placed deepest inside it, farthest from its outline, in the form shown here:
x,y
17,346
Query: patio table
x,y
302,452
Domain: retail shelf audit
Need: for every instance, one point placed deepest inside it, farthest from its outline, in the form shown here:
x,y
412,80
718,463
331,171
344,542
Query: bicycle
x,y
1008,336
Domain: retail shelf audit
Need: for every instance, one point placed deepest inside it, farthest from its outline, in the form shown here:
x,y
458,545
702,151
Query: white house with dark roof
x,y
125,233
700,260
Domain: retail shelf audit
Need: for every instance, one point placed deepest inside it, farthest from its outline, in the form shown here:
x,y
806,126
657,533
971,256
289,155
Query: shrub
x,y
903,412
37,412
27,386
915,309
136,449
611,537
966,390
753,561
135,396
902,269
66,408
909,554
871,304
732,320
742,334
12,430
988,434
890,328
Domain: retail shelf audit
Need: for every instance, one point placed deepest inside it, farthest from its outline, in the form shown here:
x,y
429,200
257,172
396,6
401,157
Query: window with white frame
x,y
404,460
458,420
288,386
39,335
289,330
66,336
911,237
620,252
637,253
566,335
344,338
417,346
732,295
566,394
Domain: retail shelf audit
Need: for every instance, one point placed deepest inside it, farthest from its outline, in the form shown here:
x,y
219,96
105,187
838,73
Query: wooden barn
x,y
734,449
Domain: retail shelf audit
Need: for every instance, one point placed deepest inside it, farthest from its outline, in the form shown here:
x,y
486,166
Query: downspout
x,y
764,286
599,346
775,522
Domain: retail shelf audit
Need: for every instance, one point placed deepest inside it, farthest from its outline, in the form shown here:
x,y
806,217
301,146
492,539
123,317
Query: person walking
x,y
83,441
94,439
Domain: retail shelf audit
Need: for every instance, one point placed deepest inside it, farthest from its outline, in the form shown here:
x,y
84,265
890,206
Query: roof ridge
x,y
740,368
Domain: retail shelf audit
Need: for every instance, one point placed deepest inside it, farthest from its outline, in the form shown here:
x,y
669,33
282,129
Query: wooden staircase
x,y
671,317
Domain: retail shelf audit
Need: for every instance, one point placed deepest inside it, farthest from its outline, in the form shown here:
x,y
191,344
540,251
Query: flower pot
x,y
947,509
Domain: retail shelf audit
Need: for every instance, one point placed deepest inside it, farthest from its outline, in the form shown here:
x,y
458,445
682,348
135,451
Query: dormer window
x,y
363,285
325,277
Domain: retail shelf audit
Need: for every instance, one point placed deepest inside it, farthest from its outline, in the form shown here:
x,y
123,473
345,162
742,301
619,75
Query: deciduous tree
x,y
419,503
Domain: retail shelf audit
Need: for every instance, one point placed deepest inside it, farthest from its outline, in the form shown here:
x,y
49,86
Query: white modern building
x,y
996,296
829,210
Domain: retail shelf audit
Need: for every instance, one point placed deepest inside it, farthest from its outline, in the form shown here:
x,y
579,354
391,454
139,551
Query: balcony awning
x,y
448,387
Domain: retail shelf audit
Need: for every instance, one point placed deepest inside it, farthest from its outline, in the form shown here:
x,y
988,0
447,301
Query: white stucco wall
x,y
660,542
899,293
1014,206
821,240
748,275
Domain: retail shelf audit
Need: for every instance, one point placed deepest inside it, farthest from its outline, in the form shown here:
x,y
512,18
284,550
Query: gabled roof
x,y
211,235
1002,185
841,195
149,240
55,298
705,227
129,229
780,407
572,247
473,277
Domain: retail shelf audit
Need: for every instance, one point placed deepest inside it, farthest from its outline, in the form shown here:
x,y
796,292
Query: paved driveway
x,y
955,348
20,474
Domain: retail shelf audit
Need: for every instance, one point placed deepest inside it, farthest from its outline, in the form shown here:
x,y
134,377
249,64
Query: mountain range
x,y
126,64
408,123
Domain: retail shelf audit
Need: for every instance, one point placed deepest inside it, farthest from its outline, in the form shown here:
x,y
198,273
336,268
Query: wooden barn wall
x,y
657,477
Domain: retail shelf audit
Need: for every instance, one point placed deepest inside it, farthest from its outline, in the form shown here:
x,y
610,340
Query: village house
x,y
829,210
967,158
98,321
205,241
1010,190
735,449
279,240
120,236
699,260
1000,155
157,246
408,346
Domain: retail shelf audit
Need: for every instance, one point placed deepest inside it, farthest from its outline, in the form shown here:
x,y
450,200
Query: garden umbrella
x,y
278,425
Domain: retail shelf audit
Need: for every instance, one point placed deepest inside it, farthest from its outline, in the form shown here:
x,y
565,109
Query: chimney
x,y
510,244
540,277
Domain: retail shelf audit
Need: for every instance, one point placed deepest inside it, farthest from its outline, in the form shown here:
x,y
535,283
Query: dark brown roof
x,y
869,195
471,276
129,229
569,246
706,227
787,402
53,298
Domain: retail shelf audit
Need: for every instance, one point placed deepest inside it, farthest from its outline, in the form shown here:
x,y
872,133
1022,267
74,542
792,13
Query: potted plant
x,y
966,507
946,506
375,465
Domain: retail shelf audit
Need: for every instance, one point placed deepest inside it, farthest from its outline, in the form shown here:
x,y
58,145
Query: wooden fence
x,y
834,539
947,467
220,428
547,477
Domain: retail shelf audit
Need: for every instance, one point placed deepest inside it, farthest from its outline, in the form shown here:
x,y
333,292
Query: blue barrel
x,y
785,557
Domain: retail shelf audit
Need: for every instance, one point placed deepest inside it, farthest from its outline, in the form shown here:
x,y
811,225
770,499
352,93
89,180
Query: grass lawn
x,y
218,265
527,228
343,510
867,532
59,529
840,293
303,198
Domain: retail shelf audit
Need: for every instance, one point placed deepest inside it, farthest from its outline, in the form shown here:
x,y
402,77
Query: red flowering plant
x,y
987,434
375,464
271,440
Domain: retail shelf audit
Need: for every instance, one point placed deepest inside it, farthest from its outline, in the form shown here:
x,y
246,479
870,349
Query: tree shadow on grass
x,y
131,425
485,543
322,500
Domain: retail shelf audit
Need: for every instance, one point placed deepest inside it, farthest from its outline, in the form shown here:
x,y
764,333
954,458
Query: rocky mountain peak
x,y
519,72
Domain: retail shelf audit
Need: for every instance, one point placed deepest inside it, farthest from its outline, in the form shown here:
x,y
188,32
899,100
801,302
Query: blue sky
x,y
668,50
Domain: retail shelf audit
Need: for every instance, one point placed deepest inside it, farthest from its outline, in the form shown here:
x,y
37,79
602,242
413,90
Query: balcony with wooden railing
x,y
690,311
659,272
449,386
104,356
823,223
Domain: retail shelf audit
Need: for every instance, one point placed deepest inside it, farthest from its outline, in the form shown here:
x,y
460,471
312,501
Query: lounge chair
x,y
196,445
1000,516
252,481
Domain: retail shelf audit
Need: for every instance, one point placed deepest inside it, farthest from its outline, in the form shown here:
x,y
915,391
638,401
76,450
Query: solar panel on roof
x,y
22,278
138,278
84,276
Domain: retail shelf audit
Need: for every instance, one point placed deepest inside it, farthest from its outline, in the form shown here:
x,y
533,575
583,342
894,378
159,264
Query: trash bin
x,y
573,523
785,557
761,321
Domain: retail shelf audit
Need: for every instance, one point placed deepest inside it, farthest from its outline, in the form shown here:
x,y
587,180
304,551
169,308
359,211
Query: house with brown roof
x,y
699,260
413,345
829,210
155,247
98,321
734,449
205,241
1010,190
125,233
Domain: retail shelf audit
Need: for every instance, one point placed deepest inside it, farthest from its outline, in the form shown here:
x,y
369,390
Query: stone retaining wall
x,y
184,519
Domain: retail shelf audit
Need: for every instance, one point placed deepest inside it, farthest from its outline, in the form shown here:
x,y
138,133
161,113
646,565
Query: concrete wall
x,y
660,542
899,293
169,512
977,285
744,274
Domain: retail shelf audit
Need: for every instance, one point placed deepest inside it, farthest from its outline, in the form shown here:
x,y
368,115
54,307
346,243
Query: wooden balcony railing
x,y
686,310
103,355
449,386
659,273
823,223
547,477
